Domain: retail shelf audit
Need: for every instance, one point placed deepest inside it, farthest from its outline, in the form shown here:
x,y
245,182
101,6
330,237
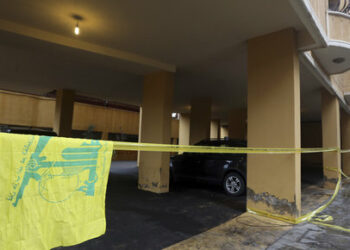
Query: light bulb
x,y
77,30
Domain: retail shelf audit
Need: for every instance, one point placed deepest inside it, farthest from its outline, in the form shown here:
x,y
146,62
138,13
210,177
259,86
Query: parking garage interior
x,y
139,73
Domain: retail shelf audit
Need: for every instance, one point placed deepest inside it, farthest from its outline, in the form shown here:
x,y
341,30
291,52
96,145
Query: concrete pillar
x,y
156,128
274,181
215,129
139,136
223,132
330,137
64,112
237,126
345,141
200,119
175,129
184,129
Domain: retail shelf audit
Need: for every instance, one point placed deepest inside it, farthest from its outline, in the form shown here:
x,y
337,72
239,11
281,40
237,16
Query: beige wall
x,y
35,111
223,132
342,81
274,181
174,128
26,110
320,8
215,129
339,27
184,129
105,119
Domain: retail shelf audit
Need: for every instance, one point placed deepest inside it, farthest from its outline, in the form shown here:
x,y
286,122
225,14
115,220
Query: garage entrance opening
x,y
313,193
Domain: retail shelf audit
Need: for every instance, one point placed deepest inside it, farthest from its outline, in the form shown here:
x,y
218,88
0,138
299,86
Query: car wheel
x,y
234,184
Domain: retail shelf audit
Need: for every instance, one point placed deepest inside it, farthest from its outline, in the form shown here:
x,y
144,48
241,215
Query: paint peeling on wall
x,y
143,186
281,206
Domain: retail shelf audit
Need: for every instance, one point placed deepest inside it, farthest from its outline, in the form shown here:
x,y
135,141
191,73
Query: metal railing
x,y
342,6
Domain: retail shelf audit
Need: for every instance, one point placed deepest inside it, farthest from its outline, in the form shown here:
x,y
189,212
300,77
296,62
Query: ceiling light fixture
x,y
77,29
78,19
339,60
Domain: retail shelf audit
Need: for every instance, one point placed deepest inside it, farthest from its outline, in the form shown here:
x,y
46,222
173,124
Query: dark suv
x,y
228,170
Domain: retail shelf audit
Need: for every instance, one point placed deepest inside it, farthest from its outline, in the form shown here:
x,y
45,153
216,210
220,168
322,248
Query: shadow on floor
x,y
143,220
313,195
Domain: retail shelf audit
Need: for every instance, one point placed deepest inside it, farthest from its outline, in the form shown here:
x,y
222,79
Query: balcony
x,y
339,20
342,6
335,57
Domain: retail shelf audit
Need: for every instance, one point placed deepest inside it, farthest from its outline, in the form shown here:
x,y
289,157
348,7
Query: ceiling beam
x,y
86,46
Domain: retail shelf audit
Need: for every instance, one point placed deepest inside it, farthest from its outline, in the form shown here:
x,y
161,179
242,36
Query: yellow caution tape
x,y
313,216
310,217
322,218
153,147
332,226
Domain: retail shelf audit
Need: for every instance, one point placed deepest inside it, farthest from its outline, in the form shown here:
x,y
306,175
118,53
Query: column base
x,y
154,187
330,183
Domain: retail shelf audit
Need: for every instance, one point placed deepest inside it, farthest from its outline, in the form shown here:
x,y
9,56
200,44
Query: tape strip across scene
x,y
310,217
153,147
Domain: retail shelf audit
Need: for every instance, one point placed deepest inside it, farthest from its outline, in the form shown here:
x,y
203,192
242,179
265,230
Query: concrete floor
x,y
199,216
249,231
143,220
310,236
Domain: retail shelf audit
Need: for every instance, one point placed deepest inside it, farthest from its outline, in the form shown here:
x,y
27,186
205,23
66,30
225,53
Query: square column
x,y
274,182
345,141
215,129
184,129
200,119
237,126
156,128
64,112
223,132
330,137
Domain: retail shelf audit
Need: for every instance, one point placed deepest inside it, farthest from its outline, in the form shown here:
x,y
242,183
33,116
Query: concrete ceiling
x,y
179,32
205,41
336,50
310,95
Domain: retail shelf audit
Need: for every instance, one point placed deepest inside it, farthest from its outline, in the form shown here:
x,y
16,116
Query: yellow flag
x,y
52,190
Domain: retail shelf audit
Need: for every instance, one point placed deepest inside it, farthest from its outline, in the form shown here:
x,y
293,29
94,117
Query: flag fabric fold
x,y
52,190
